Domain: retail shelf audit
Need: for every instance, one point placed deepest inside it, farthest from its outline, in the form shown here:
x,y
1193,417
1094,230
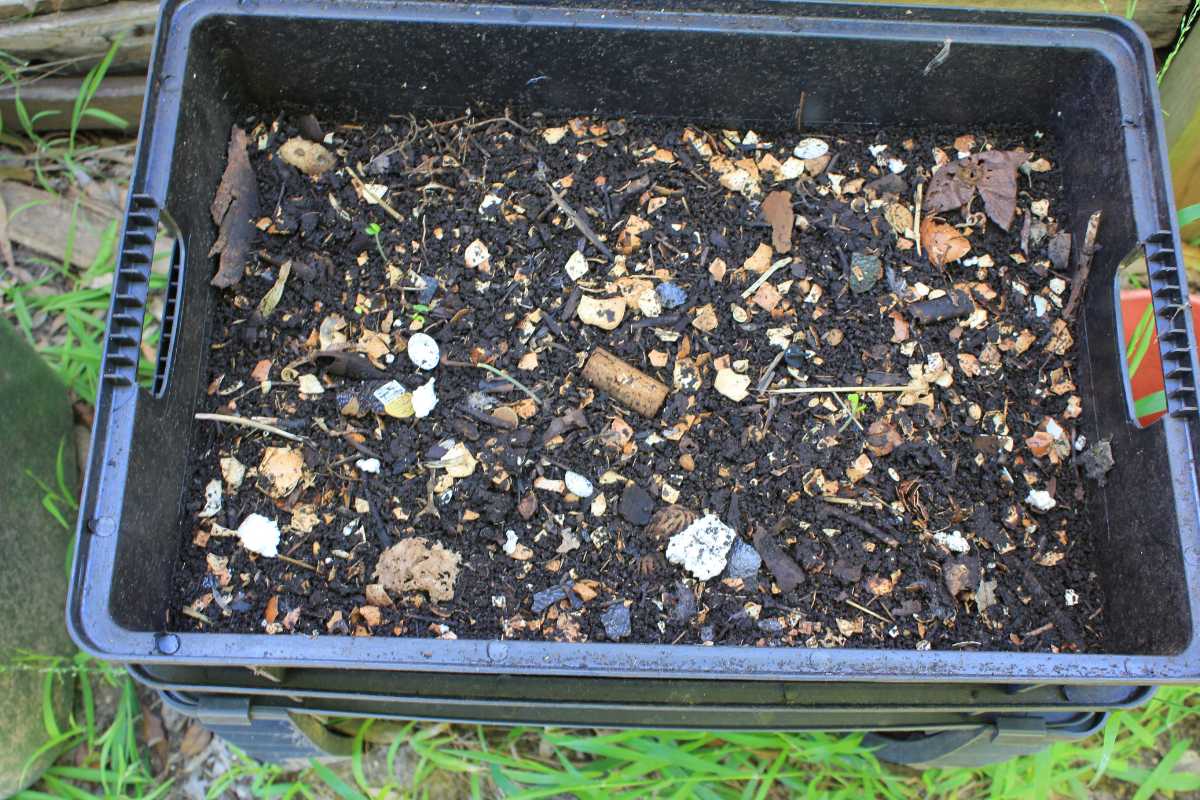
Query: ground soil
x,y
960,464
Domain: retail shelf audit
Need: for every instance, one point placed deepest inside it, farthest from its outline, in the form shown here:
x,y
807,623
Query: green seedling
x,y
373,230
418,318
857,406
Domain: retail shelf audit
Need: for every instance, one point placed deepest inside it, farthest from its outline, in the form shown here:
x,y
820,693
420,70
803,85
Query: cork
x,y
628,385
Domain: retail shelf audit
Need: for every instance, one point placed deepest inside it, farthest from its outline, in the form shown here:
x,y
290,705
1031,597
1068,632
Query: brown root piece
x,y
234,209
863,526
787,572
1083,266
627,384
777,210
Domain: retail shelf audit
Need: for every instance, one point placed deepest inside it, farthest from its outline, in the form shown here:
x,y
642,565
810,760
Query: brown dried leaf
x,y
883,438
280,470
993,174
759,261
413,565
377,595
234,209
272,611
706,318
777,210
879,585
961,574
899,327
943,242
899,217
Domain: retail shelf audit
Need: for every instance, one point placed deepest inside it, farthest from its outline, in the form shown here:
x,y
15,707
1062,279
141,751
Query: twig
x,y
917,216
752,288
505,118
770,373
848,501
188,611
499,373
250,423
580,222
863,525
361,185
849,411
842,389
1083,265
866,610
295,562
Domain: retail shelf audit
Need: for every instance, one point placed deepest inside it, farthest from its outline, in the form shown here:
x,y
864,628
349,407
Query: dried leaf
x,y
413,565
943,242
706,318
377,595
993,174
899,327
669,520
732,384
281,469
271,299
883,438
777,210
899,217
234,209
272,611
760,260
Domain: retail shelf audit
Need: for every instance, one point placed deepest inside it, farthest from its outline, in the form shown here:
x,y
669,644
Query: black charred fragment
x,y
952,305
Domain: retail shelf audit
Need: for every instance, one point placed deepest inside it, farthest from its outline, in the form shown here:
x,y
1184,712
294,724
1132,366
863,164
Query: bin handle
x,y
130,285
1173,321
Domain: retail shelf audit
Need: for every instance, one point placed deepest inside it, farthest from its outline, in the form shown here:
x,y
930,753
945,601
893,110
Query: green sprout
x,y
418,319
373,230
857,406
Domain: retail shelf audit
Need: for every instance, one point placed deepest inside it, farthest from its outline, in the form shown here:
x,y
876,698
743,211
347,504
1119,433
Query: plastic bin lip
x,y
96,631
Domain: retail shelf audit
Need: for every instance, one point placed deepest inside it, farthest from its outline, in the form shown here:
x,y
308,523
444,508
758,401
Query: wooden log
x,y
118,94
627,384
85,35
1180,92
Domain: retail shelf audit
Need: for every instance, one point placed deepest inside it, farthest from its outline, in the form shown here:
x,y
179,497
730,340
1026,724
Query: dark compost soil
x,y
862,504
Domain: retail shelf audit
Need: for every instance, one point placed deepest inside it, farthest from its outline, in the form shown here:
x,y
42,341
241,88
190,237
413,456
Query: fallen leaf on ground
x,y
308,157
943,242
760,260
733,385
412,565
882,437
993,174
281,469
234,209
271,299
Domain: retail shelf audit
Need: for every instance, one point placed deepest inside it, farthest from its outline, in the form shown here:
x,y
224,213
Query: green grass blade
x,y
1189,214
334,782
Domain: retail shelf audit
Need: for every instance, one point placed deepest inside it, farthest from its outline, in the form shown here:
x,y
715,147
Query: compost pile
x,y
606,379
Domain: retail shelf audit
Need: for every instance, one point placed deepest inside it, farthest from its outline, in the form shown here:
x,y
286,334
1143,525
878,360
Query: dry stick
x,y
499,373
1083,266
250,423
580,222
866,610
863,526
295,562
752,288
917,216
188,611
842,389
361,185
848,501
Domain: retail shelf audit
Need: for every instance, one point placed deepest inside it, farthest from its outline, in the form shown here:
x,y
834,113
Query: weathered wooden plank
x,y
118,94
83,33
1180,91
25,8
43,223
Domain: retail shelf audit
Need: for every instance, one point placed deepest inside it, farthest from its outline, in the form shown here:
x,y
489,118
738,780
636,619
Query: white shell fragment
x,y
1040,499
212,500
702,548
576,266
476,254
954,541
423,351
371,465
1071,597
811,148
510,542
732,385
424,399
578,485
259,535
311,384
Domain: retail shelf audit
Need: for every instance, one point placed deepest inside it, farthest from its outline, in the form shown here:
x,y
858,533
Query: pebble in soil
x,y
481,258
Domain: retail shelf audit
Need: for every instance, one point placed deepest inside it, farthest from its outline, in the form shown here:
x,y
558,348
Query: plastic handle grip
x,y
1173,319
130,285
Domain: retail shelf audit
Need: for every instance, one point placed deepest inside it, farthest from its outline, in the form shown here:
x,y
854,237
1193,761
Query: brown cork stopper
x,y
628,385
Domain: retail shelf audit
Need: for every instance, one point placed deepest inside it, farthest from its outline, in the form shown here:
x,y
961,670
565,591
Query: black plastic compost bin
x,y
1088,79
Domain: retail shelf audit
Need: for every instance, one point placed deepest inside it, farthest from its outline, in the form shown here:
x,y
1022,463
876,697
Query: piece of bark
x,y
787,572
627,384
1083,266
777,210
50,101
47,223
234,209
85,35
955,303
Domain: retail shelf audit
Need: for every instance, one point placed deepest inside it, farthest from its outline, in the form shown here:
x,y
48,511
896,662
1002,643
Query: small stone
x,y
865,271
637,506
1097,461
702,547
578,485
605,313
810,148
1040,499
794,356
577,266
670,295
510,542
212,500
1071,597
547,597
669,493
424,399
423,351
744,560
370,465
617,624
